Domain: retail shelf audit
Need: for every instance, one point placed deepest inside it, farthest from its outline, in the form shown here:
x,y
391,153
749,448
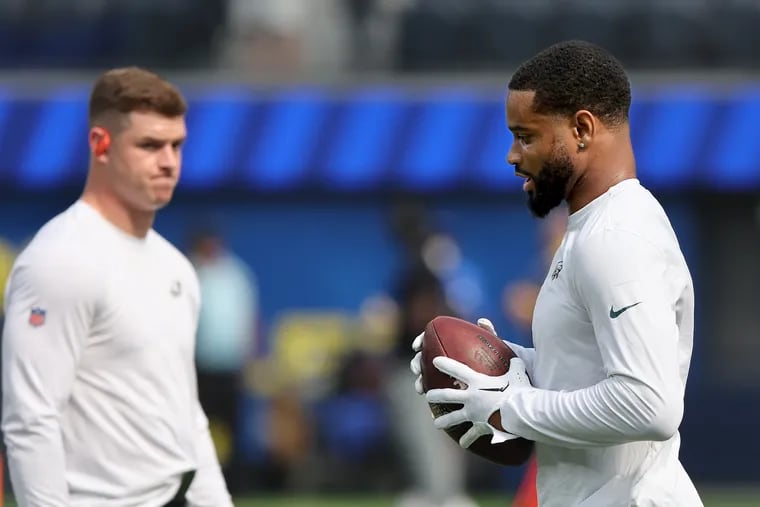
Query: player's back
x,y
586,332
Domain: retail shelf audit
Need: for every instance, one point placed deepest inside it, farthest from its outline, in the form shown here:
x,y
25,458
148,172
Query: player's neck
x,y
136,223
607,169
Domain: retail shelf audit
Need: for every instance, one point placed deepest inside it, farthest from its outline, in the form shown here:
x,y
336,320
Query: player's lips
x,y
163,183
528,179
163,179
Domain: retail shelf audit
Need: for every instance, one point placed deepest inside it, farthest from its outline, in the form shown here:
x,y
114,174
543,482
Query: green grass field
x,y
712,497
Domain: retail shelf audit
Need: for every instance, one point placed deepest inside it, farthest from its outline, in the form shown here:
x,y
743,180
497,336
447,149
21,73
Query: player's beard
x,y
550,184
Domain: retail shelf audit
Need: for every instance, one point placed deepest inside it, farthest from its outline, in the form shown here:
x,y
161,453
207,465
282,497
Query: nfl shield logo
x,y
37,317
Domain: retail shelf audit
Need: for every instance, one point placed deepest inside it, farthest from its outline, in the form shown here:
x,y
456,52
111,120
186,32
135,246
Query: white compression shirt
x,y
613,330
100,403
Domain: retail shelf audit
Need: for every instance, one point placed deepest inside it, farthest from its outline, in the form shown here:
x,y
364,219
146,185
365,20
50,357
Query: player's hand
x,y
487,325
483,396
416,364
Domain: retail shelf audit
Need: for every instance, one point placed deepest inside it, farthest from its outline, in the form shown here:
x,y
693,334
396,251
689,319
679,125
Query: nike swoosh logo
x,y
614,314
495,389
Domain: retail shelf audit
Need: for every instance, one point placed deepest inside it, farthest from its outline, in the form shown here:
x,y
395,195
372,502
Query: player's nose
x,y
168,159
513,156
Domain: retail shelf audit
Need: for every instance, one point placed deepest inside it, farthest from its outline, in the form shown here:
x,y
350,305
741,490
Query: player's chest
x,y
566,352
146,313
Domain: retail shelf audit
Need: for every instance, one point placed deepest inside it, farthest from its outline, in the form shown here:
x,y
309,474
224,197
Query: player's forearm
x,y
37,464
614,411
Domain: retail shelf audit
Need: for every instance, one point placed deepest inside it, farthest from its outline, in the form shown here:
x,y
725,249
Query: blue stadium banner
x,y
381,137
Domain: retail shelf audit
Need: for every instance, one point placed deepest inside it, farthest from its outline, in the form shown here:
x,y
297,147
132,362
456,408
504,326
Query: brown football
x,y
482,351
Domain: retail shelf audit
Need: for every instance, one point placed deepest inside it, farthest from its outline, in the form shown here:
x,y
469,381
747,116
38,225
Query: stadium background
x,y
310,120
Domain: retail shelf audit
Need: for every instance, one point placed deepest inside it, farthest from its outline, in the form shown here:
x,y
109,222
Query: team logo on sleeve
x,y
37,316
556,271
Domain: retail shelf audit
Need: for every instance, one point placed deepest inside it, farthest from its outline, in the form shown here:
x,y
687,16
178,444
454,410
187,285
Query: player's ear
x,y
100,142
584,128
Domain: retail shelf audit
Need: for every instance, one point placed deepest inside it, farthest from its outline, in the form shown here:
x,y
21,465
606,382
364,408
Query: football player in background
x,y
613,323
436,470
100,404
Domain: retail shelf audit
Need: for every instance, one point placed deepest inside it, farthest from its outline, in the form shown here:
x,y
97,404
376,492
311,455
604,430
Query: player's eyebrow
x,y
158,140
517,128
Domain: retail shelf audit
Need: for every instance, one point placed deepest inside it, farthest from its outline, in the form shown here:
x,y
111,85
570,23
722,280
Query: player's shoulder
x,y
631,202
51,264
612,219
628,236
61,243
627,214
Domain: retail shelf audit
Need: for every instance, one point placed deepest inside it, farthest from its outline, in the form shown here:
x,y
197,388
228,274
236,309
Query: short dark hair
x,y
128,89
574,75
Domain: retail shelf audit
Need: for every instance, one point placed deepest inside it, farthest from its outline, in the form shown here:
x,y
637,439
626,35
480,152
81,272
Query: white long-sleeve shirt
x,y
613,330
100,404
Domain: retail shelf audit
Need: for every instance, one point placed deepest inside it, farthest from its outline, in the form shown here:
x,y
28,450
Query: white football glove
x,y
487,325
416,363
483,396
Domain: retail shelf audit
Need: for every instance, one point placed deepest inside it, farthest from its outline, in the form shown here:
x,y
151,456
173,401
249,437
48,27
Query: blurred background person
x,y
7,256
437,472
226,341
461,278
285,38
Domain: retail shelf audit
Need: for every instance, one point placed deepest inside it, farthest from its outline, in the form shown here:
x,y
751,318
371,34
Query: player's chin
x,y
539,207
162,193
161,198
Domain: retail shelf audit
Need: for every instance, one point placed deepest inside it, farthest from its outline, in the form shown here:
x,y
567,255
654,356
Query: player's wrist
x,y
495,420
